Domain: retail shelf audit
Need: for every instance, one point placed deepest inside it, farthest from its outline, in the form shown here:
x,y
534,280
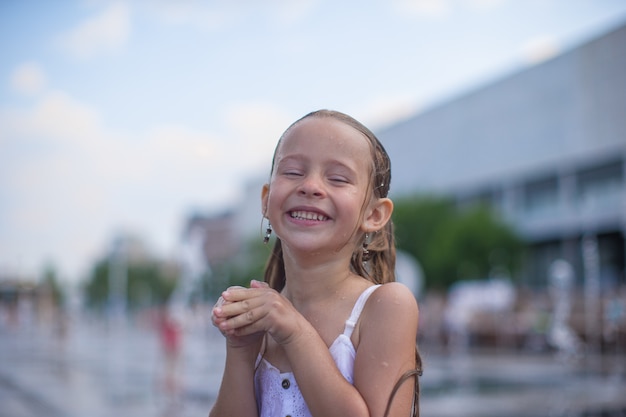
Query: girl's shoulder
x,y
389,302
394,291
388,322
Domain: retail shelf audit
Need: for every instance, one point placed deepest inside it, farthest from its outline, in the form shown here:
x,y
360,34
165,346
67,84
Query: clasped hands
x,y
243,315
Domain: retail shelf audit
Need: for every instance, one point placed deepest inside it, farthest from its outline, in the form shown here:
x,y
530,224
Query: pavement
x,y
99,370
513,384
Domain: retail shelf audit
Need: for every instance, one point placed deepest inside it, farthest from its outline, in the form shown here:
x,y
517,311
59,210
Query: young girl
x,y
321,336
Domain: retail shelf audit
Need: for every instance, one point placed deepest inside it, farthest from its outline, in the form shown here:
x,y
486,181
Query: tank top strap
x,y
357,309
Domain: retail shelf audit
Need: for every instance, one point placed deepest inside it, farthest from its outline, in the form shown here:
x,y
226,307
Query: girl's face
x,y
319,184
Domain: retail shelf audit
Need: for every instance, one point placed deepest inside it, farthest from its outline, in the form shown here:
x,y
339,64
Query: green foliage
x,y
249,265
453,244
148,283
50,281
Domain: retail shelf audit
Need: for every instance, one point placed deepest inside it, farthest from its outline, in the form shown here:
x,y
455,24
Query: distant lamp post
x,y
591,263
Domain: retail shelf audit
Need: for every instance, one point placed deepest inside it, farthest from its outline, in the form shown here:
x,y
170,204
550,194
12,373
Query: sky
x,y
128,116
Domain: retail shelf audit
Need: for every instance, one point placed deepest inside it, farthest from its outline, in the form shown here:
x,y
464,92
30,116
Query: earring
x,y
366,253
268,233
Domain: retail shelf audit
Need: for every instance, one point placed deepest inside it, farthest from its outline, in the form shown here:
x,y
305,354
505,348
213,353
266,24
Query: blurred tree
x,y
149,283
249,265
50,282
453,244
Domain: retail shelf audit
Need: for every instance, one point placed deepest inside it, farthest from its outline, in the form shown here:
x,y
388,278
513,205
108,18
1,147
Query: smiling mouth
x,y
307,215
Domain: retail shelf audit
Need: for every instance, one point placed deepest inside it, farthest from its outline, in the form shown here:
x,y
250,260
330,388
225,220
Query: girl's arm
x,y
325,390
386,350
387,347
236,396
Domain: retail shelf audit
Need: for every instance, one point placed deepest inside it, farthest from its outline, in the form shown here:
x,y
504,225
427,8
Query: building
x,y
216,238
546,146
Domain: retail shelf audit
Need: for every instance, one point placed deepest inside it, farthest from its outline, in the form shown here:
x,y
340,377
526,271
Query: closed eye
x,y
340,180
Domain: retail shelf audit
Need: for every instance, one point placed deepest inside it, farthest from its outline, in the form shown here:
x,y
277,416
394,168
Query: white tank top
x,y
278,394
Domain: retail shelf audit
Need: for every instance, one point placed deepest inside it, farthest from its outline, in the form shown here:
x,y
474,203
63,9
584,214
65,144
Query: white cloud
x,y
54,197
216,15
484,4
173,154
441,8
290,12
423,8
257,126
539,49
383,111
107,32
55,117
71,182
28,78
191,12
75,136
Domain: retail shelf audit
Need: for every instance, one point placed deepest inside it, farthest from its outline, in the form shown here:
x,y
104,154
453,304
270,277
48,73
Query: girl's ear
x,y
378,215
265,195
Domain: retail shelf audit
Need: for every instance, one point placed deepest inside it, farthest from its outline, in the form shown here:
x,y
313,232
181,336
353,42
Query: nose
x,y
311,186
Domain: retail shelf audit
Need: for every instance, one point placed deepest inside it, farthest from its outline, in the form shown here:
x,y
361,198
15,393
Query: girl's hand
x,y
220,302
218,317
256,310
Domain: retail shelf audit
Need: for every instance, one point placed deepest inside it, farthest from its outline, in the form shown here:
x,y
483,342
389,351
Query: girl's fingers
x,y
216,312
258,289
241,326
220,302
258,284
249,311
234,309
217,308
243,313
243,309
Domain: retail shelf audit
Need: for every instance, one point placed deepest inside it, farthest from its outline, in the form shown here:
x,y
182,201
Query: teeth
x,y
307,215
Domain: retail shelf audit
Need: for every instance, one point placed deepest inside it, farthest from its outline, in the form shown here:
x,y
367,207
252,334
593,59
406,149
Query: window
x,y
541,196
600,186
